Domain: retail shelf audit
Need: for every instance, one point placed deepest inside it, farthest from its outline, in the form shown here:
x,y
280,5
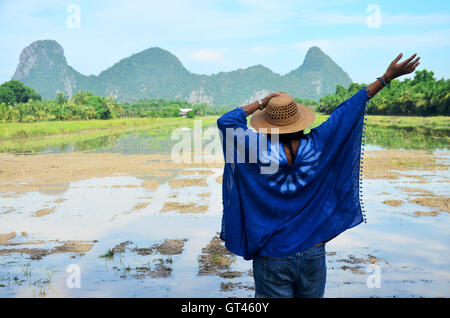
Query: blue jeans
x,y
302,275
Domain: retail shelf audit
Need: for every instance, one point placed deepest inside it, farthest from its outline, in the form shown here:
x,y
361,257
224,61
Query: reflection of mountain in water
x,y
56,189
408,138
145,142
139,143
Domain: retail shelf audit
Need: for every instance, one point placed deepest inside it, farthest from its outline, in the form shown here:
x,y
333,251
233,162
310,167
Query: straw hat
x,y
284,113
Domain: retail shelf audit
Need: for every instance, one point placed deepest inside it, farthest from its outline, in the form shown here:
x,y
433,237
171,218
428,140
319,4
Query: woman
x,y
282,201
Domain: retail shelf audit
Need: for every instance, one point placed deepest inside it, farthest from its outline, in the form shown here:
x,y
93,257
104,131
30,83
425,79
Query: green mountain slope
x,y
156,73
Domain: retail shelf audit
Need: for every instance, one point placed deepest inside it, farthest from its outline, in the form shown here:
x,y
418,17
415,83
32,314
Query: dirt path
x,y
23,173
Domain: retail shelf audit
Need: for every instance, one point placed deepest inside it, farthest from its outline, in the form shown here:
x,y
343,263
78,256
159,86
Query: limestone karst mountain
x,y
156,73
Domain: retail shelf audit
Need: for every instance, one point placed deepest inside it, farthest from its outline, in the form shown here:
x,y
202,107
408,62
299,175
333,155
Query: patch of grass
x,y
13,130
435,122
407,132
393,132
108,255
86,135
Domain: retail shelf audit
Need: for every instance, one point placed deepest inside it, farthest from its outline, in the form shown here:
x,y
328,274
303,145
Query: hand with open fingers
x,y
396,69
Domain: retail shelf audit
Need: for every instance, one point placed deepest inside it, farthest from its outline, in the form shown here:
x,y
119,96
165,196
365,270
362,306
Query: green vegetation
x,y
307,102
24,105
83,105
164,108
154,108
406,132
190,114
148,135
13,92
83,135
108,255
423,138
317,76
156,73
20,130
32,125
423,95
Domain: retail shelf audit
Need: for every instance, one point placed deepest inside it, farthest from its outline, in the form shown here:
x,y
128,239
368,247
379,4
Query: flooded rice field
x,y
123,220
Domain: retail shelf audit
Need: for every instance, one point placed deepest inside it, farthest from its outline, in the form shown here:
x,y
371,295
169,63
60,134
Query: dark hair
x,y
286,139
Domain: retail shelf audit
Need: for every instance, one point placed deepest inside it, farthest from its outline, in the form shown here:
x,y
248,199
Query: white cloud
x,y
324,18
208,55
352,44
321,18
372,53
212,35
423,19
261,50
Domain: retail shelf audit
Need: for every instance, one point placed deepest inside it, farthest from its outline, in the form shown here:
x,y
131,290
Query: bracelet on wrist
x,y
383,82
386,79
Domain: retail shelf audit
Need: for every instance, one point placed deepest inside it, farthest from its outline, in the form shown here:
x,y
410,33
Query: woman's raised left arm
x,y
393,71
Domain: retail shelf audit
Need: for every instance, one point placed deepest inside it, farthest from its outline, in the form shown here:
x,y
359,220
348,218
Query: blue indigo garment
x,y
293,207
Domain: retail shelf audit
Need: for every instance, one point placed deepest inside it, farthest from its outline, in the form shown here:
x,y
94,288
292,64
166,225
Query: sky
x,y
211,36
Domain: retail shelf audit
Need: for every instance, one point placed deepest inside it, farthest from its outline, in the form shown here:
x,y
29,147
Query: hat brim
x,y
307,117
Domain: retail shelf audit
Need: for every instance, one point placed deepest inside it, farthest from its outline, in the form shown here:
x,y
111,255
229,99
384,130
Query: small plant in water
x,y
50,275
44,284
108,255
26,270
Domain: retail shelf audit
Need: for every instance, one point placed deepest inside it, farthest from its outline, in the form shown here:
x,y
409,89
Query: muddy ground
x,y
8,246
20,173
155,261
23,173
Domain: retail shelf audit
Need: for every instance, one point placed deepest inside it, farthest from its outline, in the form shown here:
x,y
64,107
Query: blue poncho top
x,y
281,212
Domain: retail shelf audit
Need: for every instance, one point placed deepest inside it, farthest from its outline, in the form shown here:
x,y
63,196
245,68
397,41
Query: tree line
x,y
420,96
21,103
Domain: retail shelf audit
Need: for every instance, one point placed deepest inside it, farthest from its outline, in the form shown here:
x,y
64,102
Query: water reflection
x,y
408,138
150,141
412,252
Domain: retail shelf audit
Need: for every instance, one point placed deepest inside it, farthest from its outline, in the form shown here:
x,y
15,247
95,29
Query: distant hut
x,y
184,111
